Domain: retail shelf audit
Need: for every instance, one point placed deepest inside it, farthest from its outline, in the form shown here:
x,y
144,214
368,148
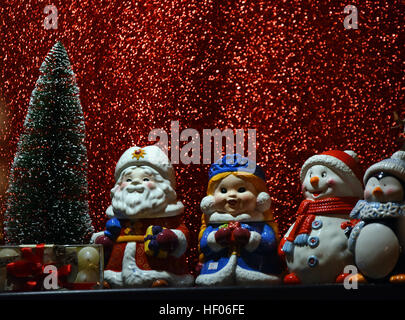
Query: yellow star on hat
x,y
138,153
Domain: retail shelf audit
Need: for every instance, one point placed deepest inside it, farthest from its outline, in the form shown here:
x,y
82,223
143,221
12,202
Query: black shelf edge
x,y
325,292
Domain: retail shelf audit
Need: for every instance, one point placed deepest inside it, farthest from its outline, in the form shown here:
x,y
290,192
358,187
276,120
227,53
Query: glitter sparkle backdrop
x,y
288,69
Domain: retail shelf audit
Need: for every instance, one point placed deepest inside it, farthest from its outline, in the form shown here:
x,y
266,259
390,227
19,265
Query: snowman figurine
x,y
315,247
379,238
238,237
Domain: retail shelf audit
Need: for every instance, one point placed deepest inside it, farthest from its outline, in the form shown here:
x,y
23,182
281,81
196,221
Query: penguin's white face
x,y
321,182
386,189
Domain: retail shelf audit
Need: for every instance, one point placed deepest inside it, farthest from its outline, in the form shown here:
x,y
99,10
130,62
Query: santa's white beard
x,y
138,201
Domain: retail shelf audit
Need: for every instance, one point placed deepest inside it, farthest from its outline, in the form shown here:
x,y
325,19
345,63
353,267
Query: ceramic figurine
x,y
145,237
315,247
238,237
378,238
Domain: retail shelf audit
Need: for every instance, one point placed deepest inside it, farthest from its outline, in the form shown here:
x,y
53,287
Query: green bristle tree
x,y
47,193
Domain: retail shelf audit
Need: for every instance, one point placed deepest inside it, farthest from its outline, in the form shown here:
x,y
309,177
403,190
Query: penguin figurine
x,y
378,240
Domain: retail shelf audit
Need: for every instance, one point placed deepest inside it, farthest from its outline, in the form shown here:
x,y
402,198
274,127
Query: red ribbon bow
x,y
29,271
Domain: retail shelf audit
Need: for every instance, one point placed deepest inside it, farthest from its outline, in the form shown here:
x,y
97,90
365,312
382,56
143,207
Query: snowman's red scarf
x,y
309,209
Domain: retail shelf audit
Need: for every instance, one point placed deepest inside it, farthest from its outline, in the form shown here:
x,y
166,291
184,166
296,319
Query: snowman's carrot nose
x,y
377,191
314,181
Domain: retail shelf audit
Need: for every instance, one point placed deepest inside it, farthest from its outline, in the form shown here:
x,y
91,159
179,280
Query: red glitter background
x,y
288,69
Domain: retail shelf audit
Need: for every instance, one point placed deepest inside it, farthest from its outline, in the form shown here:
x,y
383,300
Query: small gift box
x,y
51,267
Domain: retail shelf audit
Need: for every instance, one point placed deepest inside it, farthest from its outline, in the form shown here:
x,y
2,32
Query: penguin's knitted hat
x,y
394,165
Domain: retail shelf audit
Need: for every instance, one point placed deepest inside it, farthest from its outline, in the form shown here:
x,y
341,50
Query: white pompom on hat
x,y
344,163
151,156
394,165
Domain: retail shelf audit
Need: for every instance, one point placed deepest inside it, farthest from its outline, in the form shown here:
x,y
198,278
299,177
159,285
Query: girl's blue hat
x,y
233,163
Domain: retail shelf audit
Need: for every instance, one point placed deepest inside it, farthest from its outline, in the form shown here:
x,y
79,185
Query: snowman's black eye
x,y
324,174
128,180
223,190
146,179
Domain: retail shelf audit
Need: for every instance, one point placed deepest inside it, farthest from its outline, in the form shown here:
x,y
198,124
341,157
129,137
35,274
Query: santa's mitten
x,y
167,240
241,236
107,244
105,241
223,236
152,246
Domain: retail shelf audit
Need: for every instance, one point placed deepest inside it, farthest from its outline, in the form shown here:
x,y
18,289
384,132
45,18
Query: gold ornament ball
x,y
88,257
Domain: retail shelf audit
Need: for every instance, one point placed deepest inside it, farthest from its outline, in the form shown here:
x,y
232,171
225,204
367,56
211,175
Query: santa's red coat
x,y
175,265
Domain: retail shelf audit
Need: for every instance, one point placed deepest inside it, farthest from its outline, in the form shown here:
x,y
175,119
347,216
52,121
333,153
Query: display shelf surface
x,y
329,292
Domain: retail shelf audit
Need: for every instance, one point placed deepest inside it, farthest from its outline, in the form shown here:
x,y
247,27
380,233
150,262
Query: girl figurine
x,y
379,236
238,237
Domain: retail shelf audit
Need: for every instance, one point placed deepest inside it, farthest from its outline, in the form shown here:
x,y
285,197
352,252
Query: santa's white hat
x,y
344,163
394,165
151,156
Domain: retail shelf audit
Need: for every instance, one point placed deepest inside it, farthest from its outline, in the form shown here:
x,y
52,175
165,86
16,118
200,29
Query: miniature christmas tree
x,y
47,195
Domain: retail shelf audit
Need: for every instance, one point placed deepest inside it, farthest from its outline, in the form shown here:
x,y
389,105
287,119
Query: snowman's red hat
x,y
344,163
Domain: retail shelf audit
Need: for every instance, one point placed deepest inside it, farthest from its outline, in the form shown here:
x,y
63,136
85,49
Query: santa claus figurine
x,y
145,239
238,237
316,245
